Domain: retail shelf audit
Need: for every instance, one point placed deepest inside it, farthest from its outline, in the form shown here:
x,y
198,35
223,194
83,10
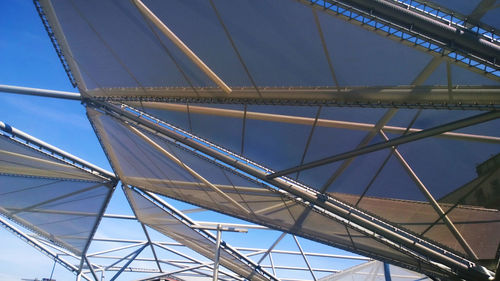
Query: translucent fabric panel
x,y
363,58
277,145
255,203
64,211
374,271
358,177
225,131
113,46
17,158
476,225
136,157
155,217
492,17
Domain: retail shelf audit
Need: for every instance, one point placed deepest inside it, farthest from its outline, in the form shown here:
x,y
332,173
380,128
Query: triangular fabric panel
x,y
49,196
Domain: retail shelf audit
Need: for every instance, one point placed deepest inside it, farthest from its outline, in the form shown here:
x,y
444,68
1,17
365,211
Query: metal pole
x,y
40,92
217,254
183,47
304,256
136,253
90,267
272,247
387,272
152,247
53,267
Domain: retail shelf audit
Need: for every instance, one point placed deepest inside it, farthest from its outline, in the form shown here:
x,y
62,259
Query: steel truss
x,y
417,24
419,97
384,232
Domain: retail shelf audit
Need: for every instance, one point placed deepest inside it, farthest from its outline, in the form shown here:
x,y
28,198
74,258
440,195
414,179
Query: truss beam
x,y
461,38
462,98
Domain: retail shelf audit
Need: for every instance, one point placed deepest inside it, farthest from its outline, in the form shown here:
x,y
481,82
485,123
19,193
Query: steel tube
x,y
462,39
217,254
40,92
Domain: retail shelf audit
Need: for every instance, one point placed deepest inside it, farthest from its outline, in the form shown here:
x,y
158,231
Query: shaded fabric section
x,y
49,196
167,223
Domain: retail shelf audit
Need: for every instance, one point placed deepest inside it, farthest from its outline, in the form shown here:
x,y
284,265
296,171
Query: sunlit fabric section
x,y
153,215
49,196
251,44
242,197
478,225
375,271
